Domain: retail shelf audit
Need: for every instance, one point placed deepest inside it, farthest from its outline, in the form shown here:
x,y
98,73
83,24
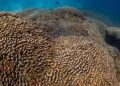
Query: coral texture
x,y
81,62
70,21
53,51
25,51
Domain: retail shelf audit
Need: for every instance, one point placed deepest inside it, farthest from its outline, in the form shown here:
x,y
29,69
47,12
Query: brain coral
x,y
81,62
30,56
24,51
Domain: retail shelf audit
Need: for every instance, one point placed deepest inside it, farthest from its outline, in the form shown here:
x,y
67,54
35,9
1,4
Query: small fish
x,y
57,3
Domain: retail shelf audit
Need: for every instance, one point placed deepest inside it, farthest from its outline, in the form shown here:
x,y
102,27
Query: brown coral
x,y
25,51
30,56
81,62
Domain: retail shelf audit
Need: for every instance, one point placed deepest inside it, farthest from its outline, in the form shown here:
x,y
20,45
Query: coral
x,y
68,21
59,13
67,24
81,62
63,11
25,51
54,51
113,39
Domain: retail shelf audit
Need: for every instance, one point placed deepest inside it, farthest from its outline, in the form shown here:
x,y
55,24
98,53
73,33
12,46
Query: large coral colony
x,y
60,47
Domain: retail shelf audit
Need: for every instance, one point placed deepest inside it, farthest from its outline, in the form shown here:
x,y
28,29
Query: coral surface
x,y
58,47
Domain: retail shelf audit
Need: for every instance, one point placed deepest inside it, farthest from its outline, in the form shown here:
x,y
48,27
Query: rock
x,y
113,37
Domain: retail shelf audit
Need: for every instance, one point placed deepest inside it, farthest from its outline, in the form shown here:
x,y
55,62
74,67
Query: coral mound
x,y
81,62
37,53
25,51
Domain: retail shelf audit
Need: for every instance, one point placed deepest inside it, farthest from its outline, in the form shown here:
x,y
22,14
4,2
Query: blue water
x,y
109,8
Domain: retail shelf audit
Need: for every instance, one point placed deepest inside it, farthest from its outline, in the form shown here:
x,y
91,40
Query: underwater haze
x,y
108,8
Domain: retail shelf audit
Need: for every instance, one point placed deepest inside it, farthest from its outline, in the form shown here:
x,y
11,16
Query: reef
x,y
60,47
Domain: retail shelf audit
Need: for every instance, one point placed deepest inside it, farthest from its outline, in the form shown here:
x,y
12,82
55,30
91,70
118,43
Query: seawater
x,y
108,8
